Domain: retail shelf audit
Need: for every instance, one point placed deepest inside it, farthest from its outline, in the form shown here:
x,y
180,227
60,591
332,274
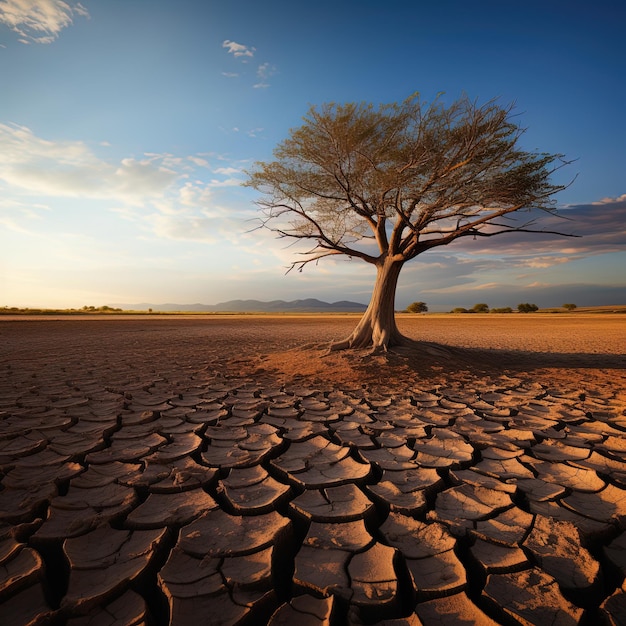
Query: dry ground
x,y
171,469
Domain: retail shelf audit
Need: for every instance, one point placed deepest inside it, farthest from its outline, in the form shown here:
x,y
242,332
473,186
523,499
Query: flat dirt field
x,y
230,470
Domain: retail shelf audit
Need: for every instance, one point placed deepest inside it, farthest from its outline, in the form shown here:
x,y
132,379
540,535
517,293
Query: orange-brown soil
x,y
229,470
573,350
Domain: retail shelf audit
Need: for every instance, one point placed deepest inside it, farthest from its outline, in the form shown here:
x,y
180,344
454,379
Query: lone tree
x,y
417,307
386,184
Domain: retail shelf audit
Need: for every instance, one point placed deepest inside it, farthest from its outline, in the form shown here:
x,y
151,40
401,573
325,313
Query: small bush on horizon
x,y
526,307
506,309
417,307
480,308
569,306
93,309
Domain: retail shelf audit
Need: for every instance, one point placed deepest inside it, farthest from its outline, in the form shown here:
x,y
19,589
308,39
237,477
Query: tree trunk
x,y
377,328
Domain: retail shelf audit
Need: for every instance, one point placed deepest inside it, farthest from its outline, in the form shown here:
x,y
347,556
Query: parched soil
x,y
230,470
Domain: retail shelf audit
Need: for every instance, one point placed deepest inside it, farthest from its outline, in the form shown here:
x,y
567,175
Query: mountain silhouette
x,y
308,305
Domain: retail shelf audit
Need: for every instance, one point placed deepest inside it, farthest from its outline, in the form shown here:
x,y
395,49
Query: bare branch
x,y
480,233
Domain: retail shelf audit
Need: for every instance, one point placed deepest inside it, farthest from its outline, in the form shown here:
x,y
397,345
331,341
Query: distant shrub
x,y
526,307
480,308
506,309
459,309
569,307
417,307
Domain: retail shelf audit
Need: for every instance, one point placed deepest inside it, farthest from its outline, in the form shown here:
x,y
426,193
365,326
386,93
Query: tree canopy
x,y
385,184
481,307
527,307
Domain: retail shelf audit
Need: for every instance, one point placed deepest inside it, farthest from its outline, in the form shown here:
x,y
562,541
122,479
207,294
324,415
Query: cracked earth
x,y
188,471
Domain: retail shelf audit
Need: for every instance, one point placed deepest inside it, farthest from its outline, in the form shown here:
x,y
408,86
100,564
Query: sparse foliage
x,y
417,307
384,185
506,309
569,307
525,307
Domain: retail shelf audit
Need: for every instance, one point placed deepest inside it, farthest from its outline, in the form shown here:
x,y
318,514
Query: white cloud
x,y
244,53
226,171
264,71
143,178
69,168
185,227
39,21
542,262
162,194
199,161
238,50
621,198
229,182
194,212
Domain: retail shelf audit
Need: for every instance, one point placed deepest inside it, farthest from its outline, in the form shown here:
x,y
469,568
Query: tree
x,y
525,307
384,185
417,307
569,307
480,308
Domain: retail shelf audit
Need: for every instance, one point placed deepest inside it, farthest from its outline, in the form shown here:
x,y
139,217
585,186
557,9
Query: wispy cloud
x,y
238,50
621,198
39,21
39,166
163,194
227,171
264,71
543,262
244,53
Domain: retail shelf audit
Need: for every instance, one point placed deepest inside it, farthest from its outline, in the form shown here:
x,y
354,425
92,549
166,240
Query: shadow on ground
x,y
419,361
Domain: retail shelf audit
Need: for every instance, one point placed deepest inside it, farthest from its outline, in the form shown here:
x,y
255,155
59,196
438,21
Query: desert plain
x,y
229,470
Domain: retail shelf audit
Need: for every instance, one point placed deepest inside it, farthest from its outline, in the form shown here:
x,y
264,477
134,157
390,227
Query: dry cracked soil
x,y
209,471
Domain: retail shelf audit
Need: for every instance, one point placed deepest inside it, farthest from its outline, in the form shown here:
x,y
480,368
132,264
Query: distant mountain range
x,y
309,305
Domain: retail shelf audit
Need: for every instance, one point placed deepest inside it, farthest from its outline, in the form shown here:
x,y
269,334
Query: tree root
x,y
364,344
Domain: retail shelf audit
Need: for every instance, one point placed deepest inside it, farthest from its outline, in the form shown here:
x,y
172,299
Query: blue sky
x,y
126,126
